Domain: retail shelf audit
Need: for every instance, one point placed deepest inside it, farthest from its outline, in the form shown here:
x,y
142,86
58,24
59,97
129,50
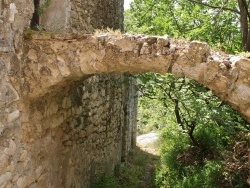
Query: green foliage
x,y
148,121
198,130
182,18
42,8
107,181
192,177
191,167
132,174
184,166
185,102
201,133
134,171
27,35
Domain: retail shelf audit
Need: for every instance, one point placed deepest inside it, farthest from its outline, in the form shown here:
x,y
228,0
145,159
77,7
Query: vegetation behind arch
x,y
205,142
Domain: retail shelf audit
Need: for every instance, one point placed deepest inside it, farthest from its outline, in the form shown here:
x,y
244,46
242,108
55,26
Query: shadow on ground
x,y
140,170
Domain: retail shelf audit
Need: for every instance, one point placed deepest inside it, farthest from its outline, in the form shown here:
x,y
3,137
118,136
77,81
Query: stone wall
x,y
14,19
69,137
60,124
71,134
82,15
56,17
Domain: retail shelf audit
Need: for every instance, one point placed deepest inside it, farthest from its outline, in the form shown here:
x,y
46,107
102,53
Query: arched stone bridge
x,y
63,121
51,61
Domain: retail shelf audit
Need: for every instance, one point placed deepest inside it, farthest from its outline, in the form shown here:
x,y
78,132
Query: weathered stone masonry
x,y
70,134
83,15
226,75
77,132
61,125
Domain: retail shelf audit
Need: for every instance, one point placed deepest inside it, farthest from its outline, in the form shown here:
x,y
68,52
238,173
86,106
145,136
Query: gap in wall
x,y
35,18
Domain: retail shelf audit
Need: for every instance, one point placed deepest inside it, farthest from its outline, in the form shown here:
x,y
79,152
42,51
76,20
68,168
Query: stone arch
x,y
56,123
42,76
74,57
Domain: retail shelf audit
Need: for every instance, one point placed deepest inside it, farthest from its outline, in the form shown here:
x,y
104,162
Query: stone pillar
x,y
130,119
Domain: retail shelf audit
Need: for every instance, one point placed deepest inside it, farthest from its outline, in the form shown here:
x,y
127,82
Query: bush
x,y
186,166
107,181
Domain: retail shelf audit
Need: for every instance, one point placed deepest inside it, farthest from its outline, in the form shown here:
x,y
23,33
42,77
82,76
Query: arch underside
x,y
51,61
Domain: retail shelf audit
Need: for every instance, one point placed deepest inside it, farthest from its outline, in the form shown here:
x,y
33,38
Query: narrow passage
x,y
149,143
140,170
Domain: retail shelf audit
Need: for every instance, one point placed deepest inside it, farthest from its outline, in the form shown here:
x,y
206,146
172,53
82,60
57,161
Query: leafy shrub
x,y
200,132
184,166
107,181
212,139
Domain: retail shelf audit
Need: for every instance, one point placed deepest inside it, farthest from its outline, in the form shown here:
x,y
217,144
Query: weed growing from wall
x,y
42,8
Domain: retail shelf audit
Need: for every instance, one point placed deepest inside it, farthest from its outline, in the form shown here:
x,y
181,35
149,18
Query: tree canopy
x,y
224,24
205,142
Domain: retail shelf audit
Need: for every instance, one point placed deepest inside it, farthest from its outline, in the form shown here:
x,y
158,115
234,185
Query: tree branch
x,y
216,7
191,132
221,9
246,7
176,22
177,114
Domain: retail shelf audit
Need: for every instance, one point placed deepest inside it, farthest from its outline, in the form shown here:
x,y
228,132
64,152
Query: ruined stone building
x,y
67,106
71,133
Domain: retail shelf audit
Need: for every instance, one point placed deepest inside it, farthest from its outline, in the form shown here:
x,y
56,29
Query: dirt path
x,y
139,171
148,143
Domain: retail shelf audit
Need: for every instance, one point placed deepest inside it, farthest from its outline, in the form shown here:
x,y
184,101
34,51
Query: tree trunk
x,y
177,114
248,42
191,136
244,24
